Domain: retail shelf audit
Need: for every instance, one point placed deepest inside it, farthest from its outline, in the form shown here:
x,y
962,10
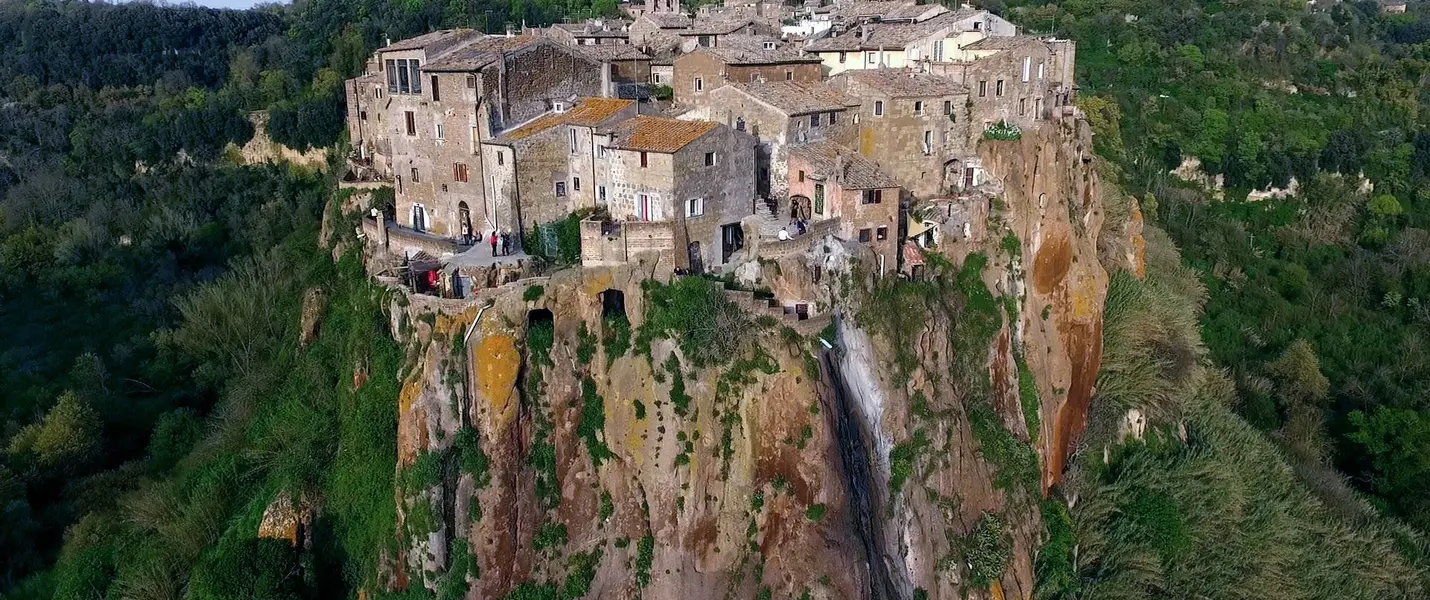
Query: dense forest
x,y
143,409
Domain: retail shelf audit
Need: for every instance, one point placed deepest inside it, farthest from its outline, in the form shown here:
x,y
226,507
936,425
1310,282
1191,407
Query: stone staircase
x,y
786,316
769,223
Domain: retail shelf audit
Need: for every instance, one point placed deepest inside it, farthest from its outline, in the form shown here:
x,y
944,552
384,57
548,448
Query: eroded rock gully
x,y
647,476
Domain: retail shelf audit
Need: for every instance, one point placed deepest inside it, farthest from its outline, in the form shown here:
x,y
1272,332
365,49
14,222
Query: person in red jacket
x,y
493,241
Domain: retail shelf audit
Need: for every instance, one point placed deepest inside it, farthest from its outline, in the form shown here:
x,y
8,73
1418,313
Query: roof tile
x,y
659,134
588,112
825,159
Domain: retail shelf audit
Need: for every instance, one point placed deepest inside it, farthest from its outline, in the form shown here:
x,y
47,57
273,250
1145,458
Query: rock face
x,y
544,443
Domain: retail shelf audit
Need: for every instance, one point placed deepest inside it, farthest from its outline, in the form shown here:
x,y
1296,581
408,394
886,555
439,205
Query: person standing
x,y
493,241
505,244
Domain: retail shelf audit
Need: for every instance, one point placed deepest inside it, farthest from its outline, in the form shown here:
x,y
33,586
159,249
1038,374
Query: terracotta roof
x,y
796,98
826,159
658,134
482,52
1004,42
889,10
903,83
432,39
588,112
668,20
605,52
913,255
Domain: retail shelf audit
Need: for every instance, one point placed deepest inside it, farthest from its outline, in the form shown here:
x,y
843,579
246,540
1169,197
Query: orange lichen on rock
x,y
411,434
498,363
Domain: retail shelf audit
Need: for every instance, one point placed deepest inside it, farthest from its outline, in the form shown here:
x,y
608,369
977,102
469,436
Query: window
x,y
789,75
559,107
948,107
703,41
814,120
644,163
983,89
411,123
501,158
576,184
801,175
392,77
436,91
362,114
560,189
1027,67
769,45
928,142
459,172
918,107
881,233
471,82
1040,70
601,193
414,175
575,144
709,159
475,146
440,135
419,217
872,197
938,51
694,207
878,108
819,199
856,118
643,208
977,26
866,235
842,56
416,76
754,76
699,84
739,123
1022,106
871,58
1038,107
998,91
600,151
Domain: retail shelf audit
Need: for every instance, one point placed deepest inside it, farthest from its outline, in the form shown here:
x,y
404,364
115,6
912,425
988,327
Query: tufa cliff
x,y
614,433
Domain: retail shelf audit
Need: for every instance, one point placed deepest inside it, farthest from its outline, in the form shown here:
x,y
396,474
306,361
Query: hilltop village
x,y
742,132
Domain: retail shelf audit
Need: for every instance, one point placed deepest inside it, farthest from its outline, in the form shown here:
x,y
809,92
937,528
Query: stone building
x,y
545,169
897,45
741,59
626,72
712,30
780,114
915,125
651,28
423,109
833,182
699,175
592,32
1009,79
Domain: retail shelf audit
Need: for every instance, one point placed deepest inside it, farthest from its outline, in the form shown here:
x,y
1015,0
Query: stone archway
x,y
953,175
799,208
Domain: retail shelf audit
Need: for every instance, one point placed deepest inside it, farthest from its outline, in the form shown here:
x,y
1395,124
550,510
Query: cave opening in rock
x,y
613,304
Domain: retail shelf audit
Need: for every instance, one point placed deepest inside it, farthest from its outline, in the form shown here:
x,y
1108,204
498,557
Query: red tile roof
x,y
659,134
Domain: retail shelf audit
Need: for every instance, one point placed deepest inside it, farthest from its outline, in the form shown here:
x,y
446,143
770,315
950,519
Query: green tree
x,y
67,437
1397,443
249,569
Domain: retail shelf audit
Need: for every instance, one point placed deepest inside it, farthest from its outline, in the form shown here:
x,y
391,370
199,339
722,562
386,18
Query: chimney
x,y
606,83
864,32
839,169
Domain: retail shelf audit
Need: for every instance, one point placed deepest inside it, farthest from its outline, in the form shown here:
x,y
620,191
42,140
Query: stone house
x,y
915,126
649,27
1015,79
423,114
780,114
545,169
698,175
835,182
710,30
902,44
741,59
593,32
626,70
885,11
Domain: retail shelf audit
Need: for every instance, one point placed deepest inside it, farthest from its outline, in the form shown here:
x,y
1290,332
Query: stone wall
x,y
727,188
895,140
608,244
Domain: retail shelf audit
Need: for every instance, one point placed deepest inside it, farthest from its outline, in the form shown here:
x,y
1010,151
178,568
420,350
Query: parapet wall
x,y
608,244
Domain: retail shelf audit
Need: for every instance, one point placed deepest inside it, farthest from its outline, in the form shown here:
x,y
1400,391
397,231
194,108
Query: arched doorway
x,y
464,222
799,207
